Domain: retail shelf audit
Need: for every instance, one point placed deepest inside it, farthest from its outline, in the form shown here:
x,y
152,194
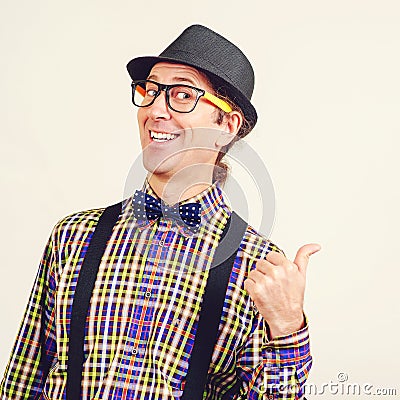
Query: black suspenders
x,y
210,315
83,293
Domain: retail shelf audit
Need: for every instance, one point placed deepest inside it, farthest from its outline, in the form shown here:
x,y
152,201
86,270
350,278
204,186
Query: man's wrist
x,y
284,328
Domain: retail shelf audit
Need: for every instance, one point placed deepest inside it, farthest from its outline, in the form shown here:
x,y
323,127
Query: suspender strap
x,y
83,293
211,310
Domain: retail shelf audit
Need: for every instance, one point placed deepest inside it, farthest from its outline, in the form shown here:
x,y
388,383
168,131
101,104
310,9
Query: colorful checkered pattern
x,y
144,312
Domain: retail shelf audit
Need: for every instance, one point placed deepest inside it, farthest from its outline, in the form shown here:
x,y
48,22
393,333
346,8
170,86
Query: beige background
x,y
327,93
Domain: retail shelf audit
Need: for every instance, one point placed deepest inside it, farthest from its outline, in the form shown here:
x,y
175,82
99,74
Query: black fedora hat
x,y
223,62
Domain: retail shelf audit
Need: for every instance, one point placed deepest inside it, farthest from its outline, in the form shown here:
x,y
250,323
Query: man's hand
x,y
277,287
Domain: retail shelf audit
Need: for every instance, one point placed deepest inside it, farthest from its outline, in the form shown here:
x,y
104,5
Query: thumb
x,y
303,255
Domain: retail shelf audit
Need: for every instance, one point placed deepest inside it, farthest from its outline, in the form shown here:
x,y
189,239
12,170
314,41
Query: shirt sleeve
x,y
274,369
27,367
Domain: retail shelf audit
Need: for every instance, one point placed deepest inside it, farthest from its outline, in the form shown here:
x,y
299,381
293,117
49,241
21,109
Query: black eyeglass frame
x,y
163,87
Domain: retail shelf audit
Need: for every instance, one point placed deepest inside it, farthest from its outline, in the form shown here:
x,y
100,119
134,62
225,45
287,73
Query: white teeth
x,y
161,136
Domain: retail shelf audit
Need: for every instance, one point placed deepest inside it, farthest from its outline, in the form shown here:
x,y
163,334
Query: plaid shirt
x,y
144,311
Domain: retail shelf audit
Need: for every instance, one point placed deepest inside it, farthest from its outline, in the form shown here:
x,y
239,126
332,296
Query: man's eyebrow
x,y
176,79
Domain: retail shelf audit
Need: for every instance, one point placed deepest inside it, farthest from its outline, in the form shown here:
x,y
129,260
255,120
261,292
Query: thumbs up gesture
x,y
277,287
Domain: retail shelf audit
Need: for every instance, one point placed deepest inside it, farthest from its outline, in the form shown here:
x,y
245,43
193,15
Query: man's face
x,y
191,130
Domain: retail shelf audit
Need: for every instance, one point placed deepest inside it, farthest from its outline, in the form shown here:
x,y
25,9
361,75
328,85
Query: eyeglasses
x,y
180,98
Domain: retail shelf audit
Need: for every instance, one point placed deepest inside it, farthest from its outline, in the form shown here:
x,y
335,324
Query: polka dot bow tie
x,y
150,208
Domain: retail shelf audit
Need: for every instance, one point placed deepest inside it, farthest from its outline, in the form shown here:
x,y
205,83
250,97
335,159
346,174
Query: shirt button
x,y
161,243
148,294
269,349
134,351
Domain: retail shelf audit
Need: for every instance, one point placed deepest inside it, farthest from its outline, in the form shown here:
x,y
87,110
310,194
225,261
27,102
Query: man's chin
x,y
157,169
160,165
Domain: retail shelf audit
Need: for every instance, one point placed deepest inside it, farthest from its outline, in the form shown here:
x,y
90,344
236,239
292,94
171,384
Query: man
x,y
194,103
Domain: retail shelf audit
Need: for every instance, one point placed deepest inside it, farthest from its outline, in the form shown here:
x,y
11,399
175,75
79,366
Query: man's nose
x,y
160,109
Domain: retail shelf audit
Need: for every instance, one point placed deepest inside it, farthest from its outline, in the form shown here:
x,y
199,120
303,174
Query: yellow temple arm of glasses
x,y
223,105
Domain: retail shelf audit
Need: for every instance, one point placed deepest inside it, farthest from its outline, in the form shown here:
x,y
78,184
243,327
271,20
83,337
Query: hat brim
x,y
140,67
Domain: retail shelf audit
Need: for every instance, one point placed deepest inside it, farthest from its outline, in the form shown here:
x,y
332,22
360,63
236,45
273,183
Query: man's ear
x,y
230,127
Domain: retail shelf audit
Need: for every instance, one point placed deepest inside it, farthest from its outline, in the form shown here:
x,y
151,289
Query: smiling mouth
x,y
162,136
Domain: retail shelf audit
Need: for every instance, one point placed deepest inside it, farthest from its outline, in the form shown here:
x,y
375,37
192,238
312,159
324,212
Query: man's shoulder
x,y
256,245
88,216
78,221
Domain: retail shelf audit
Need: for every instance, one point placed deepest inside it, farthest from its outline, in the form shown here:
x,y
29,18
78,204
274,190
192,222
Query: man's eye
x,y
182,94
151,92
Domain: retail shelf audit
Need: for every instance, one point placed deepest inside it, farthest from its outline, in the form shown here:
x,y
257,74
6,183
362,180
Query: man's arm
x,y
24,374
277,287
